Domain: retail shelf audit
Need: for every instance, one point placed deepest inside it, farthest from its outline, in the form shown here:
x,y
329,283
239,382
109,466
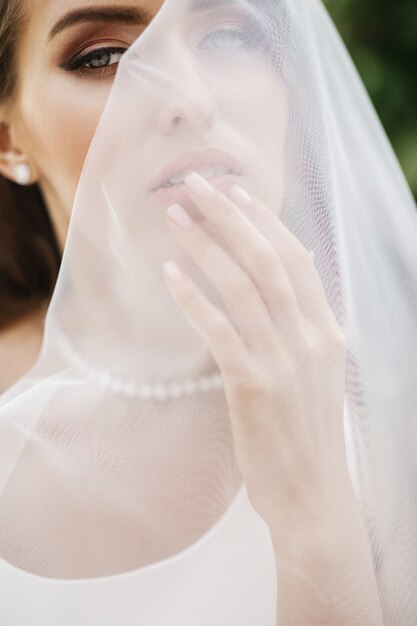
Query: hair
x,y
29,251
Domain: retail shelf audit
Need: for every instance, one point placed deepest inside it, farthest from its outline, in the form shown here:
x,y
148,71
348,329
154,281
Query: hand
x,y
280,350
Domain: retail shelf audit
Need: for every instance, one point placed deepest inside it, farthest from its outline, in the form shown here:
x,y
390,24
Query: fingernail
x,y
172,271
180,216
199,185
239,196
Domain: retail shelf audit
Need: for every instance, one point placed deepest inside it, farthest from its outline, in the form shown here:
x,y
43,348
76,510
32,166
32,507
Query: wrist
x,y
321,524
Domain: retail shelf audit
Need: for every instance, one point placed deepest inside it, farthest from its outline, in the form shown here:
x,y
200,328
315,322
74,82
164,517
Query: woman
x,y
111,466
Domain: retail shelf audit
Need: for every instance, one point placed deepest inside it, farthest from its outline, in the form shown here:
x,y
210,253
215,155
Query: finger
x,y
226,347
239,294
304,285
298,262
255,253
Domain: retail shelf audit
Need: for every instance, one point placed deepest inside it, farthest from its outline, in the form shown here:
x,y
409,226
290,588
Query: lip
x,y
193,161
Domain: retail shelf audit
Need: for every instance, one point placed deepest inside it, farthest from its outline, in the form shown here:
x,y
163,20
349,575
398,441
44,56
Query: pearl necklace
x,y
130,389
170,391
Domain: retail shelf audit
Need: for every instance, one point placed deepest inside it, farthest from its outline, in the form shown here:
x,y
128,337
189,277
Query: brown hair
x,y
29,252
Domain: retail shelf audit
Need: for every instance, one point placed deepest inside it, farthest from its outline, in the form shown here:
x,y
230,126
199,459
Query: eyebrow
x,y
116,14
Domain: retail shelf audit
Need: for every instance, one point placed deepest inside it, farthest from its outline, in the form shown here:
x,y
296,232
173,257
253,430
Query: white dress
x,y
231,570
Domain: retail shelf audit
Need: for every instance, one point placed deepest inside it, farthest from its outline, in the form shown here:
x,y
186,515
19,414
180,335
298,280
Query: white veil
x,y
116,450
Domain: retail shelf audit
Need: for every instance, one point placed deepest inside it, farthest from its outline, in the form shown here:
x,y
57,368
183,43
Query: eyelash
x,y
78,64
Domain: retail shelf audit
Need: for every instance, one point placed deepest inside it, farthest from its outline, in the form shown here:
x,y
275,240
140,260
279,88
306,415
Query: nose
x,y
188,101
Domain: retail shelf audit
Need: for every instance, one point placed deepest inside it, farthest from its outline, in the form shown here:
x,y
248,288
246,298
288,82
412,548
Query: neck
x,y
19,348
59,215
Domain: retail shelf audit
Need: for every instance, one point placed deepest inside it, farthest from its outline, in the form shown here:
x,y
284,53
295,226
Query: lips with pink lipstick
x,y
218,166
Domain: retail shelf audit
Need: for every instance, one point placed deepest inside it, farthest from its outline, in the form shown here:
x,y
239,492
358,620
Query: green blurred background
x,y
382,39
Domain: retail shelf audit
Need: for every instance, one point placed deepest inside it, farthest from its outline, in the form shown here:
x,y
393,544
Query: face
x,y
67,59
198,91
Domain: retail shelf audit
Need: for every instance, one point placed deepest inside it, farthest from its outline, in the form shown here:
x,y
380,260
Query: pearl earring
x,y
23,173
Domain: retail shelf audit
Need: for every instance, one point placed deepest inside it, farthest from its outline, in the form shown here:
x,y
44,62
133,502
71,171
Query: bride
x,y
193,348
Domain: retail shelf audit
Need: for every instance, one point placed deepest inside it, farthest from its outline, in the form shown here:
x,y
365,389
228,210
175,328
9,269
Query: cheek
x,y
259,111
267,113
257,106
61,126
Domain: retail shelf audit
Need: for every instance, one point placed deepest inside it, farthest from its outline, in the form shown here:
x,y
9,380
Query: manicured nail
x,y
180,216
239,196
172,271
199,185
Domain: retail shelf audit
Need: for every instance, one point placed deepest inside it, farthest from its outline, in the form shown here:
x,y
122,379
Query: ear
x,y
12,158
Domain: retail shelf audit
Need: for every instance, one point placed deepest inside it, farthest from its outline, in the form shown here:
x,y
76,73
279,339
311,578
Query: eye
x,y
96,61
242,33
224,39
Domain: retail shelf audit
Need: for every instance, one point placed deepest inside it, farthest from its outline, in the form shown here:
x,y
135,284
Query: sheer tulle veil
x,y
116,449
